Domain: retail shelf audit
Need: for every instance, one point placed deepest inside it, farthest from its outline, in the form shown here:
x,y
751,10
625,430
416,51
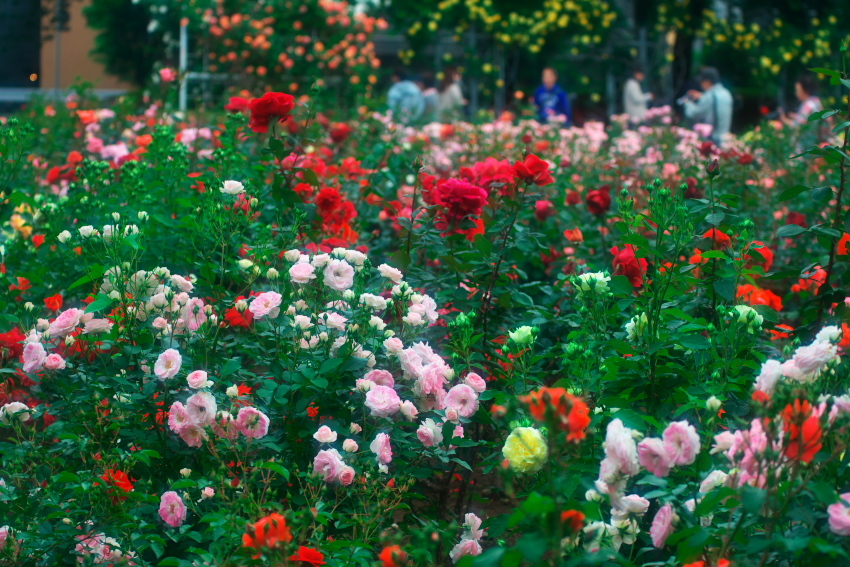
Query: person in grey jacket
x,y
635,101
712,106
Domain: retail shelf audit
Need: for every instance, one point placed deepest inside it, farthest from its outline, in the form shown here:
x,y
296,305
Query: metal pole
x,y
57,73
184,63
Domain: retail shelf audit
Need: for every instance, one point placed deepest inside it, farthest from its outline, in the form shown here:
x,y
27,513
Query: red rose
x,y
796,218
692,192
599,200
11,346
53,303
461,199
269,107
626,263
340,131
762,250
37,240
573,198
533,170
719,239
308,556
543,210
328,200
746,159
237,104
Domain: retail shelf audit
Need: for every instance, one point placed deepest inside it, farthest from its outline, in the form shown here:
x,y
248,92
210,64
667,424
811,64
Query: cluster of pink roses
x,y
102,550
469,540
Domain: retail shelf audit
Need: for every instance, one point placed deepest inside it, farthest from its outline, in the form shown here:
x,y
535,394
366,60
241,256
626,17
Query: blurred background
x,y
220,48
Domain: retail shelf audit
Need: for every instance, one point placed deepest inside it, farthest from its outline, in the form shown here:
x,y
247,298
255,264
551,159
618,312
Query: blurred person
x,y
806,90
711,106
451,96
635,101
405,99
430,96
551,100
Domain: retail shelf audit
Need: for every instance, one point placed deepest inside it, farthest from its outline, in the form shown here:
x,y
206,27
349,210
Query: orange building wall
x,y
74,57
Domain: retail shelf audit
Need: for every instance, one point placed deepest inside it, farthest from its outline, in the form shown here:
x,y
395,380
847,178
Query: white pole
x,y
184,63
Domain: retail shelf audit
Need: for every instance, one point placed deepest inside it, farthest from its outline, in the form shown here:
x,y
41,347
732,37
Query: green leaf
x,y
821,194
276,468
696,342
753,499
824,71
725,289
96,271
715,218
789,194
230,367
102,302
483,245
789,230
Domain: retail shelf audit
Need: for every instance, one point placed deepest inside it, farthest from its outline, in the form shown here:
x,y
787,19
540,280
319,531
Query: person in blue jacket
x,y
551,100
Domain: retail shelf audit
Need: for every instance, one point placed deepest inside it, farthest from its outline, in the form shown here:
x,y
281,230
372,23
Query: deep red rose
x,y
460,199
328,200
766,253
692,191
599,200
62,173
534,170
237,104
746,159
11,347
268,108
626,263
797,218
573,198
37,240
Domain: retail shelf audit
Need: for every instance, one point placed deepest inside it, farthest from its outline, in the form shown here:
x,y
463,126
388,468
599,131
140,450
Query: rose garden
x,y
290,326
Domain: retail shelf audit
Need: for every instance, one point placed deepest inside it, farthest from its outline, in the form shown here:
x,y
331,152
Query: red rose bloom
x,y
308,556
53,303
692,192
270,107
573,519
761,250
719,239
340,131
328,200
37,240
460,199
599,200
543,210
626,263
805,434
392,556
533,170
237,104
11,347
843,247
235,318
796,218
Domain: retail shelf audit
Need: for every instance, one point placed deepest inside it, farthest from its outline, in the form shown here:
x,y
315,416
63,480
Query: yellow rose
x,y
526,450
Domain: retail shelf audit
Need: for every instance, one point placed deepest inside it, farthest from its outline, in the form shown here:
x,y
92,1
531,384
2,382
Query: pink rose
x,y
54,362
429,433
771,372
193,434
472,523
382,449
463,399
168,364
346,475
171,509
182,283
325,435
476,382
302,273
382,401
334,321
464,548
193,314
339,275
207,493
839,516
393,345
329,464
621,449
177,417
350,446
266,304
380,377
390,273
95,326
66,322
197,379
654,457
411,363
681,442
409,410
662,526
634,504
252,423
34,356
225,426
201,408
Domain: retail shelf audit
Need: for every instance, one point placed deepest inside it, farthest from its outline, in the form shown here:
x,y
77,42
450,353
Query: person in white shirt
x,y
635,101
712,106
451,97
